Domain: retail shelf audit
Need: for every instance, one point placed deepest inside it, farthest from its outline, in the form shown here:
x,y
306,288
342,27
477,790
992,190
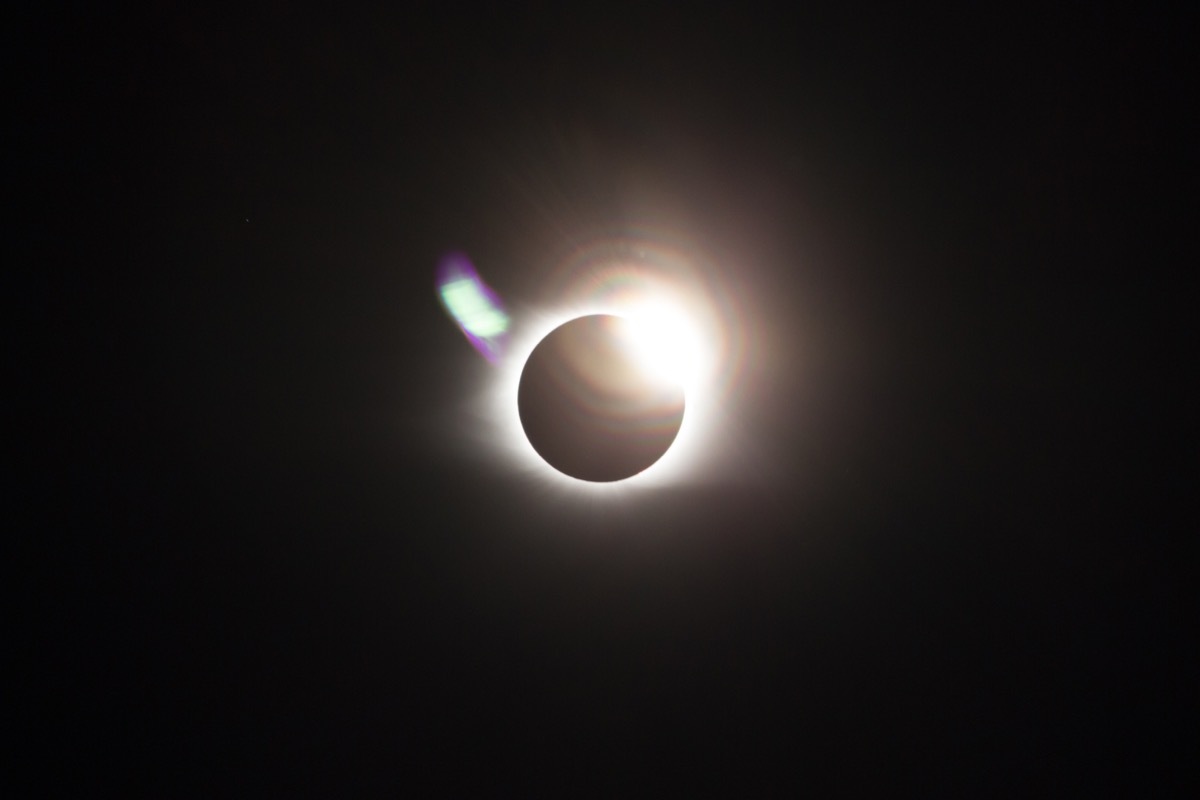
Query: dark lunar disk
x,y
589,408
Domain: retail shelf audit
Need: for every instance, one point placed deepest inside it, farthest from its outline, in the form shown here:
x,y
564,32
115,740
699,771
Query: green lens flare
x,y
472,309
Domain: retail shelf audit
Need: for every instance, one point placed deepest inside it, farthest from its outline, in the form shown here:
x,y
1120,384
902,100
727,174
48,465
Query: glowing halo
x,y
662,290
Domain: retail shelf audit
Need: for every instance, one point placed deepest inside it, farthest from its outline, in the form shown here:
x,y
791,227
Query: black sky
x,y
276,567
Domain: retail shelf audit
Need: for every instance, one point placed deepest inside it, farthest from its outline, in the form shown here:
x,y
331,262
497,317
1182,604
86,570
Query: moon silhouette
x,y
591,408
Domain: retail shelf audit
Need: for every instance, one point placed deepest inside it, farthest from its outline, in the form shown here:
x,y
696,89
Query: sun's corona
x,y
678,327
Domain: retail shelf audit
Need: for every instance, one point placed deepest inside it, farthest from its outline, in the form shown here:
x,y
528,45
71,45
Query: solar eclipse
x,y
632,400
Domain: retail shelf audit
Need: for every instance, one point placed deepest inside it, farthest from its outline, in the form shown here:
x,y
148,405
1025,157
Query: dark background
x,y
263,557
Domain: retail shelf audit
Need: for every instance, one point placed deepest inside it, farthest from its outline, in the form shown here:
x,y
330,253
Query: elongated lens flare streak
x,y
473,306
